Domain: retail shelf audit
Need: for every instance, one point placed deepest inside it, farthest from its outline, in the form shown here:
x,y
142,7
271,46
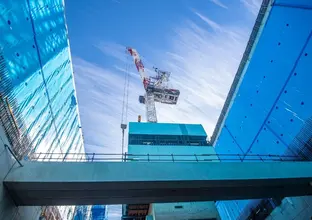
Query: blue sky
x,y
200,41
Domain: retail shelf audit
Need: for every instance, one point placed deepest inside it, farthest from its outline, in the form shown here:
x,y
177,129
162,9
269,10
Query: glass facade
x,y
99,212
82,213
95,212
38,103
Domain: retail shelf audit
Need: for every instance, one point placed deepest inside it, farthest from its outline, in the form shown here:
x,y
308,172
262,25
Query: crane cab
x,y
141,99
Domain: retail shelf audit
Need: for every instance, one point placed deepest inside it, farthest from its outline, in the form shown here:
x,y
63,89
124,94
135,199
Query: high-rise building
x,y
94,212
168,142
166,134
268,108
99,212
82,213
38,104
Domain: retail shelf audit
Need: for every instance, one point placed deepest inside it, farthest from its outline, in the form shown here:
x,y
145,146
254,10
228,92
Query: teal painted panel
x,y
166,129
170,153
149,217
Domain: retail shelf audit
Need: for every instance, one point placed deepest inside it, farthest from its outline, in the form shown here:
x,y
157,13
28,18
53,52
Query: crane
x,y
124,113
156,87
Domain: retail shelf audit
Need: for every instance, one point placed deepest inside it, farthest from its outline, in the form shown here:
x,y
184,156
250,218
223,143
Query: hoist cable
x,y
127,93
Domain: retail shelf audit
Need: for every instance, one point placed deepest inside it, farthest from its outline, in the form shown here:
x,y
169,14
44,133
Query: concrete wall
x,y
8,211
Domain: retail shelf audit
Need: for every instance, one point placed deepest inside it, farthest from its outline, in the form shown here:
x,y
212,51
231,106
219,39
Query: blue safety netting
x,y
39,104
270,109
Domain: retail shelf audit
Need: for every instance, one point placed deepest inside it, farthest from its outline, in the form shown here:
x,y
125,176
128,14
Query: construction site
x,y
256,165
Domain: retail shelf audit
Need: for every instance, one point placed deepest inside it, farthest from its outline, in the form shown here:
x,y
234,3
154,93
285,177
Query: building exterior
x,y
99,212
38,103
82,212
161,142
166,134
95,212
268,108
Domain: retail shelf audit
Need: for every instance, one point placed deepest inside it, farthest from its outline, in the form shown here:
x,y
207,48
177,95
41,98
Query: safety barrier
x,y
103,157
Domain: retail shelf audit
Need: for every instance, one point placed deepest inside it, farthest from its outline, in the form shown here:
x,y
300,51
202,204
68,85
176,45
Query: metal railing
x,y
102,157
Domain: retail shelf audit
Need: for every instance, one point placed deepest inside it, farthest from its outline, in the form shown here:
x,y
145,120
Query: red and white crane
x,y
155,87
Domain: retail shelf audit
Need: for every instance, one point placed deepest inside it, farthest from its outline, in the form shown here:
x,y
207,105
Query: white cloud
x,y
236,33
203,65
115,50
127,70
252,5
100,93
114,212
219,3
215,26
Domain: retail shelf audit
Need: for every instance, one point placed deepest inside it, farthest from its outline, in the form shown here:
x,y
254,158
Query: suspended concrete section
x,y
73,183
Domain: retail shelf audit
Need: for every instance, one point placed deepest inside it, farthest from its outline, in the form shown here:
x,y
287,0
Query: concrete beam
x,y
42,183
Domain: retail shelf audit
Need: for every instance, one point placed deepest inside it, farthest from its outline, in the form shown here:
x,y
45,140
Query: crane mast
x,y
156,89
150,107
